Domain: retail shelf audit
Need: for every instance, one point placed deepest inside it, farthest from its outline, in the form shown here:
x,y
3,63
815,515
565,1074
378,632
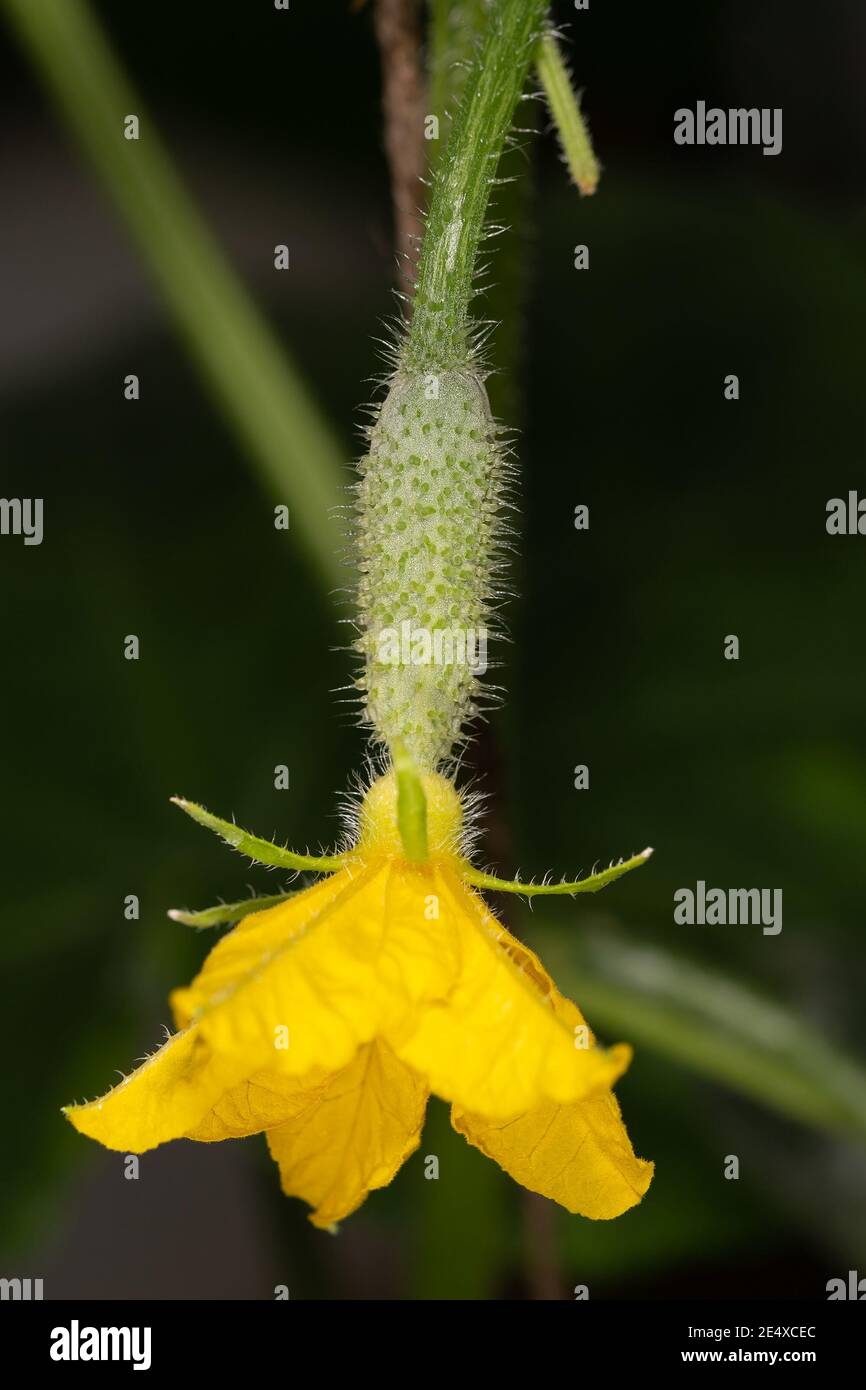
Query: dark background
x,y
707,518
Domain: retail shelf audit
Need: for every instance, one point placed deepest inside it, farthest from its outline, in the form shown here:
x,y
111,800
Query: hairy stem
x,y
439,334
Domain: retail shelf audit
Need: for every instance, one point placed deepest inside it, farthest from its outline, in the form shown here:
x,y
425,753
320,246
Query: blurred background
x,y
707,518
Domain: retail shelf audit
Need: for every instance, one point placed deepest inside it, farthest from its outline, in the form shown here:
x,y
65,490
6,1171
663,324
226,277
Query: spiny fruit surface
x,y
429,502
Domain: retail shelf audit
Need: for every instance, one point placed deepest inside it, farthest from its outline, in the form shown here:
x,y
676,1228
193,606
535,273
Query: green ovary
x,y
428,507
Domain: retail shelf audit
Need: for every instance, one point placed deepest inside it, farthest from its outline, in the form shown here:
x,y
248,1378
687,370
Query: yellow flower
x,y
325,1021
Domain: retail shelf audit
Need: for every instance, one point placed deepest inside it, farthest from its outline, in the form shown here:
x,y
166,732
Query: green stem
x,y
439,334
455,26
265,401
565,110
411,805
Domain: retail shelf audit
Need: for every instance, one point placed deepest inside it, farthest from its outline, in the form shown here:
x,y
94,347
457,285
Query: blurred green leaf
x,y
712,1024
249,375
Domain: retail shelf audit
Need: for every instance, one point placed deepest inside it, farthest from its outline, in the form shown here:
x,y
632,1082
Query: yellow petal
x,y
499,1045
352,1135
162,1099
257,1104
304,984
282,1002
174,1091
579,1154
258,932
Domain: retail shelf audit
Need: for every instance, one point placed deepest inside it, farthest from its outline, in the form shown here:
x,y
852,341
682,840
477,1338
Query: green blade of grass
x,y
710,1023
248,374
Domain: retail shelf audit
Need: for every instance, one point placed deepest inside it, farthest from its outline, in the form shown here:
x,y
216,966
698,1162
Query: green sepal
x,y
592,884
226,912
261,851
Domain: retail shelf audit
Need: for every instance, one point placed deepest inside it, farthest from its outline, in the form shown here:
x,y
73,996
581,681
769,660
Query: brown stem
x,y
398,33
541,1262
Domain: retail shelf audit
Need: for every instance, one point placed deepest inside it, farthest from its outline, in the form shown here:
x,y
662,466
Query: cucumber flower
x,y
326,1018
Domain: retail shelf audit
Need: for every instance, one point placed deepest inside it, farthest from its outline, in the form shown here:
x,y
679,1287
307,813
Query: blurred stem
x,y
462,1227
439,333
542,1265
398,34
439,64
455,26
249,376
712,1024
